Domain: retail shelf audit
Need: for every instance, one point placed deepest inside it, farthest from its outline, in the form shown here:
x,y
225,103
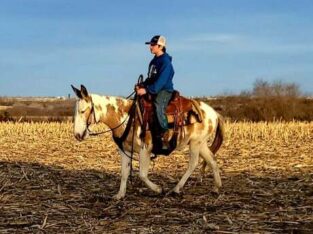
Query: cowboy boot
x,y
158,144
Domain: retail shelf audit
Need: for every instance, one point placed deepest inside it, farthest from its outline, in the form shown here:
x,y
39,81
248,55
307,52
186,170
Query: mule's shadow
x,y
26,179
29,192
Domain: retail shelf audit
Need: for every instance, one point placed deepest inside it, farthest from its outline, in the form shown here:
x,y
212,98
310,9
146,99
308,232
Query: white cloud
x,y
101,53
223,43
214,38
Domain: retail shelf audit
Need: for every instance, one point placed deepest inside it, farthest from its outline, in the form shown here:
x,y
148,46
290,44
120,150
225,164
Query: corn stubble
x,y
52,183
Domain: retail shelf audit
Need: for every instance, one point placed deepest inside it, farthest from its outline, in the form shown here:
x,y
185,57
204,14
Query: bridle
x,y
119,140
93,111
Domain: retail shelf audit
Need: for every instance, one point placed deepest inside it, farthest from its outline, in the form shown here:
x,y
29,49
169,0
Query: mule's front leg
x,y
144,163
193,162
125,170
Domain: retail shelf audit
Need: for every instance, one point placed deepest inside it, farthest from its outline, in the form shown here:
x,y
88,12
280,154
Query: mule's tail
x,y
218,140
219,135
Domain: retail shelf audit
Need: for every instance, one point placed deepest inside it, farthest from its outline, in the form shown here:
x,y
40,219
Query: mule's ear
x,y
84,92
77,92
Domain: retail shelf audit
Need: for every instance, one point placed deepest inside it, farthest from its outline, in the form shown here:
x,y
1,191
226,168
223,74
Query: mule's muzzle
x,y
80,137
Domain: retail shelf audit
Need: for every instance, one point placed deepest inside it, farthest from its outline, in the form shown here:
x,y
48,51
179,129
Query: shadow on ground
x,y
39,198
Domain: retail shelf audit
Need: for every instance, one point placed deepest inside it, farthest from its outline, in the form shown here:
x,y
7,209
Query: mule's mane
x,y
107,102
111,110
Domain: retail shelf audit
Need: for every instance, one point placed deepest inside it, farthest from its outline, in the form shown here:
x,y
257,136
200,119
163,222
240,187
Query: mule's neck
x,y
111,111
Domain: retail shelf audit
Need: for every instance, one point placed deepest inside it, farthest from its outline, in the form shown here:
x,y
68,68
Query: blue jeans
x,y
160,102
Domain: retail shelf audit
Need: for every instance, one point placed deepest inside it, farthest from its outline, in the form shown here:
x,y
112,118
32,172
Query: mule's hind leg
x,y
125,170
193,162
208,156
144,163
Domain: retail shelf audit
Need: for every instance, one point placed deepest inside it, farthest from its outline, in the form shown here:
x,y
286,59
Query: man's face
x,y
155,49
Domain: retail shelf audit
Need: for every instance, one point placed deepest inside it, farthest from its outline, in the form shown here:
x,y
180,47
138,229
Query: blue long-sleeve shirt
x,y
160,74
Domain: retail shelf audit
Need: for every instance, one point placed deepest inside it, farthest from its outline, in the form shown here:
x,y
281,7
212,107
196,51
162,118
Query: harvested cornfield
x,y
50,183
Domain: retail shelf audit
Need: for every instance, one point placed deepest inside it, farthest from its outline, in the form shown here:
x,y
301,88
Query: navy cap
x,y
157,40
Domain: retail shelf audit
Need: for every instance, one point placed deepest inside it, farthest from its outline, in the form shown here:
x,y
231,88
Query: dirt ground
x,y
50,183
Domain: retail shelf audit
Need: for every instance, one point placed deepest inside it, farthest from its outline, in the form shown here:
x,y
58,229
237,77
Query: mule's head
x,y
84,113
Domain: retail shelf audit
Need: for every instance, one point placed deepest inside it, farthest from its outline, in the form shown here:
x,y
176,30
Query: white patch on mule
x,y
209,114
104,101
79,120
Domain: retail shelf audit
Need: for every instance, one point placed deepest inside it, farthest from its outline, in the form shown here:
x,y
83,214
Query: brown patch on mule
x,y
128,143
197,110
122,108
191,118
87,112
119,102
98,107
114,119
87,98
189,129
110,108
115,115
210,125
148,138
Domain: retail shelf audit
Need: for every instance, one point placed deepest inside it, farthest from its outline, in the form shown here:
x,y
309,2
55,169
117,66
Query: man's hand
x,y
140,91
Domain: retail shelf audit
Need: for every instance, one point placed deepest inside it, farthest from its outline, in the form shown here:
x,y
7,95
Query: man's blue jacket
x,y
160,74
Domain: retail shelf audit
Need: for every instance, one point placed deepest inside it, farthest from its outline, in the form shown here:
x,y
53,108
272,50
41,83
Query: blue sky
x,y
218,47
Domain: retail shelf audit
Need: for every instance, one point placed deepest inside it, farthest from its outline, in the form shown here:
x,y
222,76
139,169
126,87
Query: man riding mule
x,y
117,113
159,85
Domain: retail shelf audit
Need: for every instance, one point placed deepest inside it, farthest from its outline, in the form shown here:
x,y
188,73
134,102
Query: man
x,y
159,83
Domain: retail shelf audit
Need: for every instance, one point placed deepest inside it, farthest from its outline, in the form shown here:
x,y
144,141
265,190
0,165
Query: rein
x,y
131,117
140,80
94,117
131,123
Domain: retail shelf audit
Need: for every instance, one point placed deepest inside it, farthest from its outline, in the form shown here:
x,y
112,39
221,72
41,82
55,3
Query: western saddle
x,y
179,113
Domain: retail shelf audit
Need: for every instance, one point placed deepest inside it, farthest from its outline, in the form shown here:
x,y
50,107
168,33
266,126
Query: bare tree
x,y
277,88
261,88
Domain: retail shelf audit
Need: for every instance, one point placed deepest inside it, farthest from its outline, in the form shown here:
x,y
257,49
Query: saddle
x,y
176,107
178,112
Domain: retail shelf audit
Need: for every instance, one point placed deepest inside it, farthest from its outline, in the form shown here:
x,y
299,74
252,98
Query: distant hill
x,y
36,108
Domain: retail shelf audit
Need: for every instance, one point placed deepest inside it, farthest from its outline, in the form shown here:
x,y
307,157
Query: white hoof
x,y
216,189
176,190
158,189
173,192
118,196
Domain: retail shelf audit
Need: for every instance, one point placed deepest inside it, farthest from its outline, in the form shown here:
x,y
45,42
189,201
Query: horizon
x,y
218,47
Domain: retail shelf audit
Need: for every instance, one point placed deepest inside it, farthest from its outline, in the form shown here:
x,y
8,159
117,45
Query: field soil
x,y
50,183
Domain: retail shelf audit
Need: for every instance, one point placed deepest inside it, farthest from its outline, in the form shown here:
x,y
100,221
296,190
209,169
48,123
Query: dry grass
x,y
49,182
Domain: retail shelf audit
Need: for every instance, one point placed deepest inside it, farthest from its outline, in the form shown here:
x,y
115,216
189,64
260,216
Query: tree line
x,y
266,101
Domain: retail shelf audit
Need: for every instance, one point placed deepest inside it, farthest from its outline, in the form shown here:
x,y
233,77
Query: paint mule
x,y
113,111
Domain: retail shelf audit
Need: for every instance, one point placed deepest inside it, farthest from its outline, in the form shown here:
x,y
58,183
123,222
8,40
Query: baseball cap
x,y
157,40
